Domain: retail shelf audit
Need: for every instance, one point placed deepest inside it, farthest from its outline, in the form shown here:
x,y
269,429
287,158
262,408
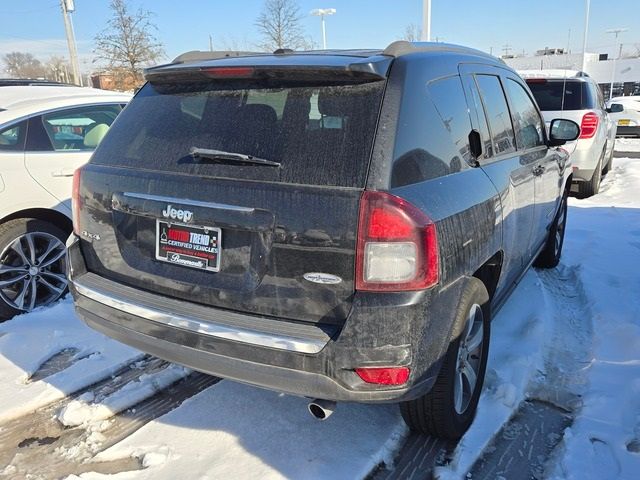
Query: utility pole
x,y
210,43
616,32
425,35
584,38
67,8
506,48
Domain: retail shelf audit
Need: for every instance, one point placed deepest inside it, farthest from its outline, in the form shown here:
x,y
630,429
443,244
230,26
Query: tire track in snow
x,y
39,446
525,444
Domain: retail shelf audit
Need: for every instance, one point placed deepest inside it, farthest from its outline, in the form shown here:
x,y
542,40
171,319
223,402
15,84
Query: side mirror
x,y
615,108
562,131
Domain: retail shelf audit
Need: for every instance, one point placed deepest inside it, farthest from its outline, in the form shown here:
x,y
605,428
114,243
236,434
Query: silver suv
x,y
576,96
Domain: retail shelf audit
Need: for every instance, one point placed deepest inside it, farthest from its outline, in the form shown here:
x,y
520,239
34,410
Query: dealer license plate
x,y
189,246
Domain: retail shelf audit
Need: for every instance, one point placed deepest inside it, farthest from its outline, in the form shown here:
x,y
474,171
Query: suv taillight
x,y
75,201
397,245
589,125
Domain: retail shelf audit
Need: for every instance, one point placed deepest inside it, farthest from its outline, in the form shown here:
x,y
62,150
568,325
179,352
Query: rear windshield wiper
x,y
230,157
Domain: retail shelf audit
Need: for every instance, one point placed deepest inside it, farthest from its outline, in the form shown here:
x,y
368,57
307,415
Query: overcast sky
x,y
36,26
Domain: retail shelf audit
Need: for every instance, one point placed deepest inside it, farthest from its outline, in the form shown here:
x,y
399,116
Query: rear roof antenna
x,y
282,51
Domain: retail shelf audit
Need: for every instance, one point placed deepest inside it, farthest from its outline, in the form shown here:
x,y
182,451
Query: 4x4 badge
x,y
175,214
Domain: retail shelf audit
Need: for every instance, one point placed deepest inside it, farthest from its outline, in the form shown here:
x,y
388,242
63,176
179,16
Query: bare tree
x,y
280,27
58,68
23,65
412,33
128,43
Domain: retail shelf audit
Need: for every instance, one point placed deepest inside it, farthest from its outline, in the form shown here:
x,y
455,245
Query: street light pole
x,y
616,32
425,35
584,39
322,12
67,8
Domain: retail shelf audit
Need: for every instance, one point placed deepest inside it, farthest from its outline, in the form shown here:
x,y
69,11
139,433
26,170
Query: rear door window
x,y
529,126
558,95
12,138
81,128
320,135
497,111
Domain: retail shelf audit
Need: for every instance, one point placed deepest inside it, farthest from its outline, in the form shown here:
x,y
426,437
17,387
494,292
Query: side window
x,y
497,111
81,128
436,142
485,138
525,116
12,138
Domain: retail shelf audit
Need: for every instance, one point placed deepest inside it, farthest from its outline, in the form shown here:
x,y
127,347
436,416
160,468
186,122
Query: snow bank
x,y
627,145
603,239
235,431
27,341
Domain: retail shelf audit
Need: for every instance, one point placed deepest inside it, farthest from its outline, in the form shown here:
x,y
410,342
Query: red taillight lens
x,y
75,201
384,376
397,245
228,72
589,125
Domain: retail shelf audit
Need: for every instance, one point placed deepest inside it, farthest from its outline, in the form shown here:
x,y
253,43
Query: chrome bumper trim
x,y
252,337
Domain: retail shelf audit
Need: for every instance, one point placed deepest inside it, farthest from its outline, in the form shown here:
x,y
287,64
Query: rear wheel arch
x,y
489,272
48,215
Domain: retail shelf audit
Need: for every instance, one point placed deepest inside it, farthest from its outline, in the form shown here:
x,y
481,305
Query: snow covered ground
x,y
570,336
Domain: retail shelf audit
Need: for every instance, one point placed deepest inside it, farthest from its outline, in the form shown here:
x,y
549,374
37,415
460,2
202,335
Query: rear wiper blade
x,y
230,157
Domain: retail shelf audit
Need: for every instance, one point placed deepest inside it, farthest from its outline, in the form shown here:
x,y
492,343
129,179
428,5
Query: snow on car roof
x,y
25,100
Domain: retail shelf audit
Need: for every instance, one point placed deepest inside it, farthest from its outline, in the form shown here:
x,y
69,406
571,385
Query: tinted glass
x,y
549,94
485,138
497,113
80,128
525,115
442,127
12,138
321,135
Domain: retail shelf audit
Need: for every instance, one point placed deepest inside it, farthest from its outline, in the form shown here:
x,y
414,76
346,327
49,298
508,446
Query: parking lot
x,y
74,402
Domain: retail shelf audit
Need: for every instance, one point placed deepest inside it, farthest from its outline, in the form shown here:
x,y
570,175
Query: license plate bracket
x,y
189,246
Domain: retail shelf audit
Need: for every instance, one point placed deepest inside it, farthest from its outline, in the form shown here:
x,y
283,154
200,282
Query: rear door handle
x,y
65,172
538,170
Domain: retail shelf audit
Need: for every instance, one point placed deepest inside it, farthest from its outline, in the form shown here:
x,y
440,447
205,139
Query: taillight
x,y
589,125
397,245
75,201
384,375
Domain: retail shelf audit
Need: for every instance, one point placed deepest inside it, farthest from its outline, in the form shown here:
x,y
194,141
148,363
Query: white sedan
x,y
628,118
45,134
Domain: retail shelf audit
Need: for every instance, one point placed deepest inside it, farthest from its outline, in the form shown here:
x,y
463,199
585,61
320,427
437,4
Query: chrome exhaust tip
x,y
321,409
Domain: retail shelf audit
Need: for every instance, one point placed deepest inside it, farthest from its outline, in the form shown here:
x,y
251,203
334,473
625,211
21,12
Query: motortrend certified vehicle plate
x,y
188,245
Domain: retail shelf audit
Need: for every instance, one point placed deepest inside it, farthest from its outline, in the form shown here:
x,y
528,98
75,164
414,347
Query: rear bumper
x,y
585,157
628,131
301,360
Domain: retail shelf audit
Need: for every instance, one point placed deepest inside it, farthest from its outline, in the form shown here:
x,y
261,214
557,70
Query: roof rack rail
x,y
402,47
196,55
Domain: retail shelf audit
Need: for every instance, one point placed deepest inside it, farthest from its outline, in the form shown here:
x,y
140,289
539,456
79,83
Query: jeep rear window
x,y
548,94
321,135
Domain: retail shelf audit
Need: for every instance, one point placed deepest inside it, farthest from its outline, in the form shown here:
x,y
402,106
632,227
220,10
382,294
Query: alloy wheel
x,y
468,359
32,271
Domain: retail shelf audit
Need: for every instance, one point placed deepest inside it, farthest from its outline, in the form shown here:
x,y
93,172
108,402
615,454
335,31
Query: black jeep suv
x,y
338,225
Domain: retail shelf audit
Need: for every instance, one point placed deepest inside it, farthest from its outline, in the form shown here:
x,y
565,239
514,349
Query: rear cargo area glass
x,y
549,95
321,135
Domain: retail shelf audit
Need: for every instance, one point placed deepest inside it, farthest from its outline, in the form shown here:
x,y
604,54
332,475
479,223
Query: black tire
x,y
12,266
549,257
592,187
436,413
